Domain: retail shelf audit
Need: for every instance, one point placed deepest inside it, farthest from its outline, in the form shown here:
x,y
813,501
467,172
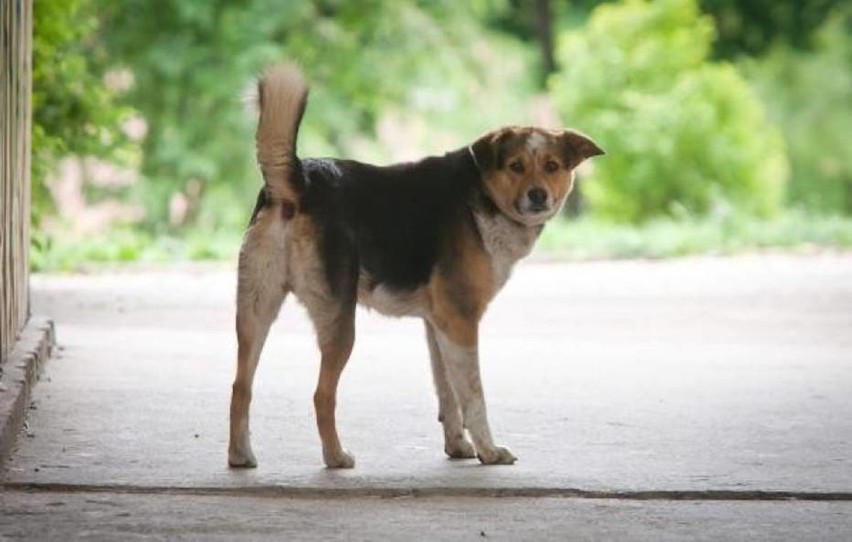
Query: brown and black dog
x,y
435,239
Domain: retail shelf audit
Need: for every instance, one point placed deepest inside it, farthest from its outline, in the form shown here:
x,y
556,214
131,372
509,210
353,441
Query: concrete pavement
x,y
109,516
727,376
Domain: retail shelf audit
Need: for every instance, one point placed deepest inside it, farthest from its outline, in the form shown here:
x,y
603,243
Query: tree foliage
x,y
809,96
74,112
682,134
751,27
392,78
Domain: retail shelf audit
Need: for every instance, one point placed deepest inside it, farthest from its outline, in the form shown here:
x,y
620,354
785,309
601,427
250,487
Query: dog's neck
x,y
505,240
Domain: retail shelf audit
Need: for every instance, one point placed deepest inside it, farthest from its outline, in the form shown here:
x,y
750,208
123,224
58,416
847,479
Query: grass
x,y
793,231
582,239
126,245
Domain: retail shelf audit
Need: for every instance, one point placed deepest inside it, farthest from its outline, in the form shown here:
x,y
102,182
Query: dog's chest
x,y
505,242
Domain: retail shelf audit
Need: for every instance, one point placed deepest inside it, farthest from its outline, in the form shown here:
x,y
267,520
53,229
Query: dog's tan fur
x,y
280,255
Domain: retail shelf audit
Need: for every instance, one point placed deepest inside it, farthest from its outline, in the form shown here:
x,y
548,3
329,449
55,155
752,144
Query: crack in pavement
x,y
362,492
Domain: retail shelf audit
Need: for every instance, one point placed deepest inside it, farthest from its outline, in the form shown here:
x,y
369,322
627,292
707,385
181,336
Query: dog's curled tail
x,y
281,98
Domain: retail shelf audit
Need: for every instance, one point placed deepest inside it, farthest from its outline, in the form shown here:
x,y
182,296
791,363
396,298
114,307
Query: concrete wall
x,y
15,130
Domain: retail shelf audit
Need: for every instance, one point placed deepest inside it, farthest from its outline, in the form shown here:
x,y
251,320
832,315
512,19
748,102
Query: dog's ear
x,y
489,150
577,147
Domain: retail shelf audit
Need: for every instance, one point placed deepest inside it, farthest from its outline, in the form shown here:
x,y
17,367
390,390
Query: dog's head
x,y
529,172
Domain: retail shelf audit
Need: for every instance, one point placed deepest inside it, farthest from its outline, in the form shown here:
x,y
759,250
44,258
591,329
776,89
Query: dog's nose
x,y
537,196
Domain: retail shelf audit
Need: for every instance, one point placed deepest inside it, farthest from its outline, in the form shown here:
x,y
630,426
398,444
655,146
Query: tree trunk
x,y
544,32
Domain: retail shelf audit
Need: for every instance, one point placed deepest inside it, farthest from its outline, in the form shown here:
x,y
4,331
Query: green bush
x,y
683,135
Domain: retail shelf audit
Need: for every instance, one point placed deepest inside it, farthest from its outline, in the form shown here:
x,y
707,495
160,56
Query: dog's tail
x,y
281,98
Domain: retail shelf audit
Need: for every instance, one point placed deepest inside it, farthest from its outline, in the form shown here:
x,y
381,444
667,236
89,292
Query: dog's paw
x,y
339,460
241,459
497,456
460,449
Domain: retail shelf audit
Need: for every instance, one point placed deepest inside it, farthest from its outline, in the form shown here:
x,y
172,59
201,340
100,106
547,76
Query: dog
x,y
435,239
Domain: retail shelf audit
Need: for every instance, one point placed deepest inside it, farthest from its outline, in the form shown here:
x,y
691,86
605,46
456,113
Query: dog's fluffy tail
x,y
281,98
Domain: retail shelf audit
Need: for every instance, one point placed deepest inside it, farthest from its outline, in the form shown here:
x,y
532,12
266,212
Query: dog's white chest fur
x,y
506,242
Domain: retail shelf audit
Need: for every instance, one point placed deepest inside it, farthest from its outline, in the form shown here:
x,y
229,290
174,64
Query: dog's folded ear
x,y
577,147
487,151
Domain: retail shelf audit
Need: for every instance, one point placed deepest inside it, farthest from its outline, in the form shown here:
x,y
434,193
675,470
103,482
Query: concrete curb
x,y
20,372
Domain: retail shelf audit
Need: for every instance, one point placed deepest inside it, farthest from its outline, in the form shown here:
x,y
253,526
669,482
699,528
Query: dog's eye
x,y
550,166
517,166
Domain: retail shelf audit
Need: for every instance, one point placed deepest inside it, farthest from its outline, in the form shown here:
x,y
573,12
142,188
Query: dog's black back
x,y
389,222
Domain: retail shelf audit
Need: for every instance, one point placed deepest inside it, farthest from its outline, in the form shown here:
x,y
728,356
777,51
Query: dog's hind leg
x,y
335,326
252,329
260,291
456,444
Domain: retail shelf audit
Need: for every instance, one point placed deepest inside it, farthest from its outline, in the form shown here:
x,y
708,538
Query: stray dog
x,y
435,239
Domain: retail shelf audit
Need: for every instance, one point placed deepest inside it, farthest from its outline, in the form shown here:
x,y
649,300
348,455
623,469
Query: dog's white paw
x,y
496,456
460,449
241,457
339,460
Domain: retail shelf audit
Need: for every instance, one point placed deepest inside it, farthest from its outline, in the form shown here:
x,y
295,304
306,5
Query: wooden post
x,y
15,131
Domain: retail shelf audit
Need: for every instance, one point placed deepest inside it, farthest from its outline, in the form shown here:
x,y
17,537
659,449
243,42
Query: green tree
x,y
808,94
743,27
74,112
751,27
682,134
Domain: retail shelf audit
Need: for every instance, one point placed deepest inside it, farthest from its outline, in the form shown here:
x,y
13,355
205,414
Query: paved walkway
x,y
719,380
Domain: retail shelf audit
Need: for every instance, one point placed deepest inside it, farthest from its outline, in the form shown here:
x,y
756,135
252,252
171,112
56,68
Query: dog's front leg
x,y
459,352
456,444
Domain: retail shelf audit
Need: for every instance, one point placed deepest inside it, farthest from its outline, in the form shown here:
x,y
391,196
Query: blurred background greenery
x,y
726,122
